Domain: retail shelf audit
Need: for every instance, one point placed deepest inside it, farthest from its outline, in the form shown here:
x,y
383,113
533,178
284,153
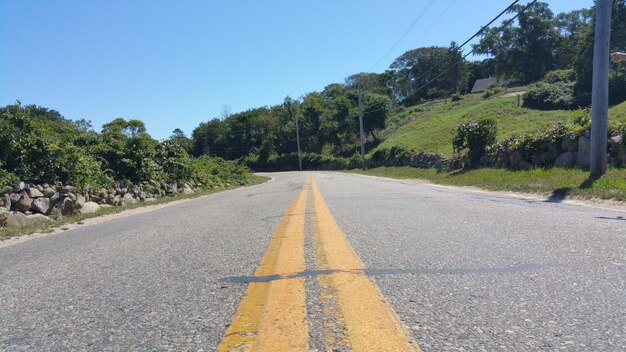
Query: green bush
x,y
455,97
473,137
550,96
560,76
493,89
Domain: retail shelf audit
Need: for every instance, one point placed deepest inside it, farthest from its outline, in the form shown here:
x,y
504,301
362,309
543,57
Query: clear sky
x,y
174,64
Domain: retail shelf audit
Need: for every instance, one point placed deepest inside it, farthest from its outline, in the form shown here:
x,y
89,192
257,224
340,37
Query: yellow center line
x,y
271,315
370,322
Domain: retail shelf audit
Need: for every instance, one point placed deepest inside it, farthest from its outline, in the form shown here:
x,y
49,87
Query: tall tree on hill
x,y
416,68
524,52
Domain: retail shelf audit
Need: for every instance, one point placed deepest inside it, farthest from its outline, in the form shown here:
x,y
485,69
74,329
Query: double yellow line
x,y
272,315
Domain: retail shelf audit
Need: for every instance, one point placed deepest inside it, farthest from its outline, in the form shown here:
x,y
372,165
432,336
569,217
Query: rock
x,y
150,200
48,192
68,189
546,158
19,187
128,199
40,205
102,206
71,196
6,201
187,190
36,219
89,207
171,188
34,192
7,190
9,218
583,157
615,142
39,188
80,201
567,159
24,203
68,207
55,213
55,199
95,199
14,198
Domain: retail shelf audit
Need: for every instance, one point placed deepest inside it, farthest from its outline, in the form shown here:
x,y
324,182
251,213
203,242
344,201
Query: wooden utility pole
x,y
600,89
361,126
298,139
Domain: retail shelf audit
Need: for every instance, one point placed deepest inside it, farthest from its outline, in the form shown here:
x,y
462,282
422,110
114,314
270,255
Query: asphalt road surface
x,y
325,261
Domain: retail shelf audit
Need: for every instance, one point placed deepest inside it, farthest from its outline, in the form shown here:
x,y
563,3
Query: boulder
x,y
567,159
55,199
80,201
546,158
71,196
187,190
583,157
19,187
68,189
615,142
6,201
9,218
55,213
102,206
171,188
40,205
150,200
89,207
7,190
48,192
68,207
128,199
14,197
24,203
34,193
35,219
95,198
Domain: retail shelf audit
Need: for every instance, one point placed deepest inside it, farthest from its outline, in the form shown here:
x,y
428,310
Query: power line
x,y
419,17
458,48
434,23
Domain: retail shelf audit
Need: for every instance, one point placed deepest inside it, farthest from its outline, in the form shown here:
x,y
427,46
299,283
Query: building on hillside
x,y
482,84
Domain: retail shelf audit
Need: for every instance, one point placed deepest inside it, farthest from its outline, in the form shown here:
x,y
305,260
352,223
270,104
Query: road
x,y
323,261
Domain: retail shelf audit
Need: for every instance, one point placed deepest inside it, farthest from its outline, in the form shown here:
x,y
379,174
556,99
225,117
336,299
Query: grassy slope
x,y
434,123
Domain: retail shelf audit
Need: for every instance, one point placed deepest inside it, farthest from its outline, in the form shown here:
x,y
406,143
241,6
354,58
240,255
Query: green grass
x,y
554,182
8,232
433,123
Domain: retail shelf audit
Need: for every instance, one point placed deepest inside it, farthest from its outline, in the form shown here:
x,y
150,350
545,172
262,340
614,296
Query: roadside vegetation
x,y
554,183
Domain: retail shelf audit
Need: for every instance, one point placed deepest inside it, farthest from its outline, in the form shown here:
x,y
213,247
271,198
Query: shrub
x,y
560,76
550,96
493,89
473,137
455,97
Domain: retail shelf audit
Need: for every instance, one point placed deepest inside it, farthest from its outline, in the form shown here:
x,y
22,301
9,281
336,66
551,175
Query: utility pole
x,y
298,139
600,89
361,126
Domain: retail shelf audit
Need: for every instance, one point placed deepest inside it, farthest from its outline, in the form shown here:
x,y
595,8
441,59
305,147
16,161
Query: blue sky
x,y
174,64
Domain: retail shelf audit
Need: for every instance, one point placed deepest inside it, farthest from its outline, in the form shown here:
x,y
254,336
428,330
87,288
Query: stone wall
x,y
27,203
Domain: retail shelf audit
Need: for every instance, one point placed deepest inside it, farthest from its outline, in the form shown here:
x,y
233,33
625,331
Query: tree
x,y
182,140
421,74
211,138
524,52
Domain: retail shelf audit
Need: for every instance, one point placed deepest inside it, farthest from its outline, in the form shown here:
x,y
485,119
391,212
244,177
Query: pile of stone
x,y
28,203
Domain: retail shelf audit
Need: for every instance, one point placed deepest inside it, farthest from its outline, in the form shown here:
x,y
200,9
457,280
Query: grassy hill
x,y
432,124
